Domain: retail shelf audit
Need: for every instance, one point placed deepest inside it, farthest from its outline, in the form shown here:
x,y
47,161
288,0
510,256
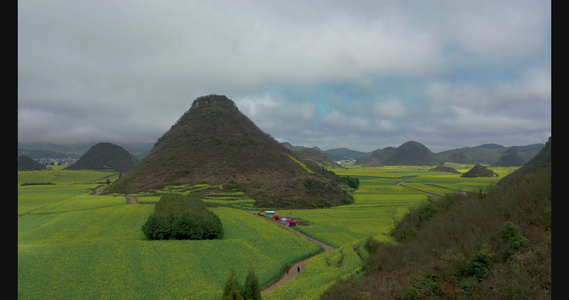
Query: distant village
x,y
347,161
56,161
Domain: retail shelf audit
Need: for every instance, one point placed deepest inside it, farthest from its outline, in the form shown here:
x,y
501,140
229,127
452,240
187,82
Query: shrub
x,y
513,236
371,245
182,217
479,264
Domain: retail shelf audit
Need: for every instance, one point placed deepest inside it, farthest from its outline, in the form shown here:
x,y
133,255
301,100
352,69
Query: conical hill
x,y
214,143
412,153
104,156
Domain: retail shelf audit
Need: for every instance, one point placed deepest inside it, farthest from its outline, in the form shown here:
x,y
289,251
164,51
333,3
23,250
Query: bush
x,y
479,264
371,245
513,236
181,217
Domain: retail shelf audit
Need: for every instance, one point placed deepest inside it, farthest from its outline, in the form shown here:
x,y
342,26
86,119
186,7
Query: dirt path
x,y
293,272
402,182
98,190
132,200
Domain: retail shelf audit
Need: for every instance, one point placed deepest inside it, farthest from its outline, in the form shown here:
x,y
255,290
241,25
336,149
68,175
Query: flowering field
x,y
76,245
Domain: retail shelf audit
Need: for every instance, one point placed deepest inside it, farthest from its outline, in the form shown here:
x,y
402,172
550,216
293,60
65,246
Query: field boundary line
x,y
401,183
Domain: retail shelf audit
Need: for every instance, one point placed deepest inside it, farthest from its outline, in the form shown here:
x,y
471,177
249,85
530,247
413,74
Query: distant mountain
x,y
486,153
343,153
75,150
43,153
412,154
510,158
379,155
26,163
214,143
105,156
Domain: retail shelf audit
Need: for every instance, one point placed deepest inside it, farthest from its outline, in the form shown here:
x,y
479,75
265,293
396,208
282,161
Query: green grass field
x,y
75,245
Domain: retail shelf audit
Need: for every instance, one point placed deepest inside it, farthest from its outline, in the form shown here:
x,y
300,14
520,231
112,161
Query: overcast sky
x,y
357,74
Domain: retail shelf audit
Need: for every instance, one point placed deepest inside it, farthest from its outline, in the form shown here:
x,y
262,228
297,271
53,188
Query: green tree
x,y
232,289
251,288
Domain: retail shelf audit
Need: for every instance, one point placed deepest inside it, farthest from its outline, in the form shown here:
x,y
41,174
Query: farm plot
x,y
57,174
65,185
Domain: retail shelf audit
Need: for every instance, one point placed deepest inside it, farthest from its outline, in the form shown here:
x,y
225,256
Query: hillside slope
x,y
26,163
214,143
492,244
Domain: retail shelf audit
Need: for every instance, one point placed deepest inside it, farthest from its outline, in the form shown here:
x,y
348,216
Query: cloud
x,y
360,73
499,31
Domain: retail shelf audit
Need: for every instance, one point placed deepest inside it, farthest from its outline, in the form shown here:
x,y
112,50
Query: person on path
x,y
287,270
298,269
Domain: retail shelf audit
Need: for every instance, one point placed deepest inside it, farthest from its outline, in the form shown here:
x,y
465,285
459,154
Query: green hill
x,y
412,154
541,161
214,143
491,244
510,158
379,155
26,163
104,156
487,153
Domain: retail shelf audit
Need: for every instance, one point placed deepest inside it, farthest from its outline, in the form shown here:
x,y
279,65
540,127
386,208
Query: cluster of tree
x,y
351,181
37,183
182,217
234,290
